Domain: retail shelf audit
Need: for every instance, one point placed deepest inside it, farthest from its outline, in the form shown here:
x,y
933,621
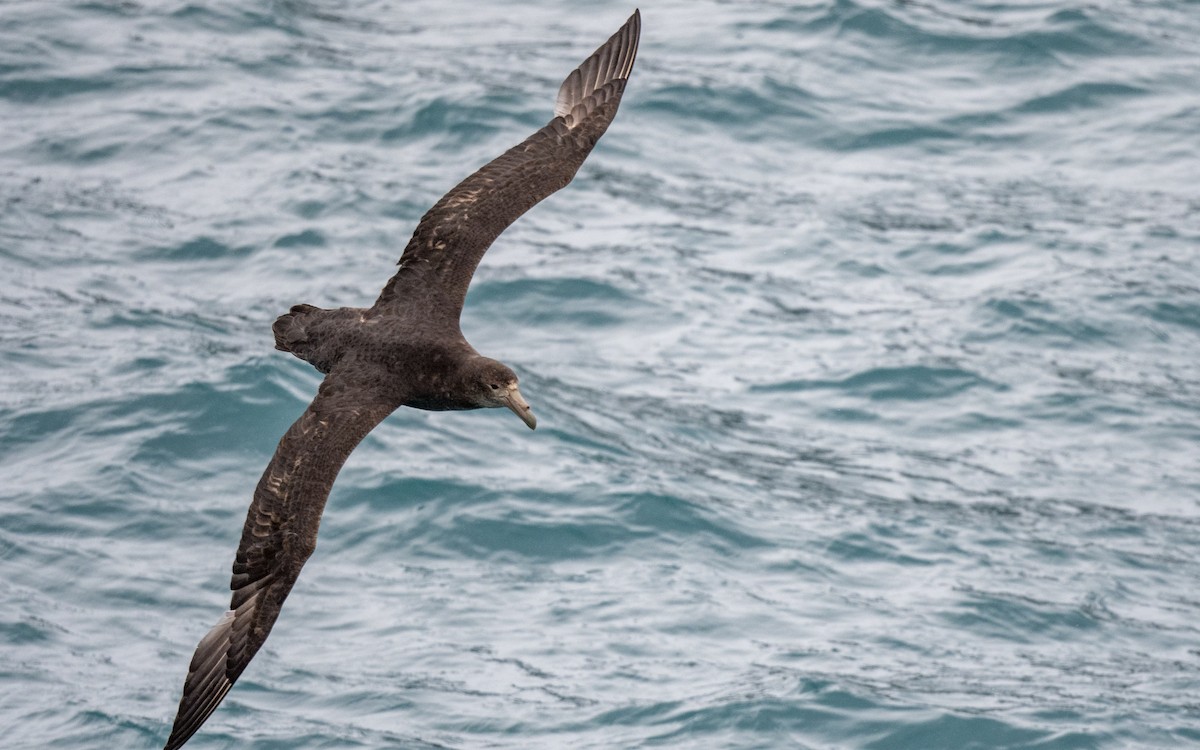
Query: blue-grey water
x,y
865,350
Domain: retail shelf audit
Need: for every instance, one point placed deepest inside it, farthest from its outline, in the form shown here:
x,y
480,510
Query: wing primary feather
x,y
611,61
204,673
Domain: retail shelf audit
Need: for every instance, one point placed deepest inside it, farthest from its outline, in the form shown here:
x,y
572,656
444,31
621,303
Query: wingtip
x,y
634,26
206,681
612,61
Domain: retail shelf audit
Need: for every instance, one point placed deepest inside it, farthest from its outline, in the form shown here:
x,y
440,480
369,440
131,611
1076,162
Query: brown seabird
x,y
405,350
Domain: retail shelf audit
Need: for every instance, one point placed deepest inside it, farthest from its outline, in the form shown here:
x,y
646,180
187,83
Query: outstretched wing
x,y
279,535
452,237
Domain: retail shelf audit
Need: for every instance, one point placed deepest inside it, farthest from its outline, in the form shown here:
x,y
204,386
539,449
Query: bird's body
x,y
405,350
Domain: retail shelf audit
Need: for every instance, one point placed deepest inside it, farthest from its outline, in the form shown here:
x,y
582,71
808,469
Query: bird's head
x,y
494,384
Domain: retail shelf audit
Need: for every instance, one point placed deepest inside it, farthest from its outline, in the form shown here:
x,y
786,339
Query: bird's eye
x,y
495,387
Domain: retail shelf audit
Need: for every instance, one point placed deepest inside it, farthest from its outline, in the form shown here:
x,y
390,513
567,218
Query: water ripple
x,y
862,348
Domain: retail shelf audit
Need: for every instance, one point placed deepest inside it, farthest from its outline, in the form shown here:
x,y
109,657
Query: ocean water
x,y
864,349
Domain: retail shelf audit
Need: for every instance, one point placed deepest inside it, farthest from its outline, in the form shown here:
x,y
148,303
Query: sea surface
x,y
865,348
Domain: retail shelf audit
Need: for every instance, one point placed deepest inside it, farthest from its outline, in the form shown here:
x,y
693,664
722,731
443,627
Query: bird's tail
x,y
289,329
305,331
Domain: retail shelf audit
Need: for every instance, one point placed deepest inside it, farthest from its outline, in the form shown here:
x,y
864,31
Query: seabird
x,y
405,350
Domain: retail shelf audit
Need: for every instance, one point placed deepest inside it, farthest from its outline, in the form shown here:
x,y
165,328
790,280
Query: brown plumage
x,y
405,350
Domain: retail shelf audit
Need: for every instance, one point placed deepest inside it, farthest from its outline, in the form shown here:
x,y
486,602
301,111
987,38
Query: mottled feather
x,y
451,238
279,535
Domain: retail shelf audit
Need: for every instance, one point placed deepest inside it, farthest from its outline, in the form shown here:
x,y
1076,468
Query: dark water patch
x,y
306,238
863,269
638,714
914,383
114,729
859,548
981,422
43,89
592,443
998,43
950,731
116,316
781,310
29,427
309,209
1062,35
1090,95
755,112
1184,314
896,219
1065,407
248,413
967,258
530,538
454,124
977,125
1091,31
769,719
201,248
893,136
849,415
346,114
121,8
235,21
544,302
344,17
1040,318
876,22
143,365
682,521
25,632
1021,619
